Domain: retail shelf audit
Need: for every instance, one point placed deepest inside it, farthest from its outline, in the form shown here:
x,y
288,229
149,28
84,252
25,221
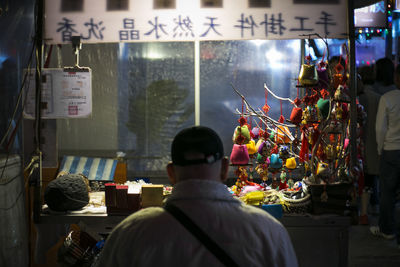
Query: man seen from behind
x,y
153,237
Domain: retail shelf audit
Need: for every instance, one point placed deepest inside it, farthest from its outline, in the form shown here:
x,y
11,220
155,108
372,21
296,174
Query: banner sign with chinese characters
x,y
98,21
65,94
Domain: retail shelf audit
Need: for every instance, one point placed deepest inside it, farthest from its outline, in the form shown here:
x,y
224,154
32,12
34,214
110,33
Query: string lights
x,y
365,34
368,33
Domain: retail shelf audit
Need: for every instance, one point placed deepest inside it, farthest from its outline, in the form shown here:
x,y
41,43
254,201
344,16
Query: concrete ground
x,y
366,250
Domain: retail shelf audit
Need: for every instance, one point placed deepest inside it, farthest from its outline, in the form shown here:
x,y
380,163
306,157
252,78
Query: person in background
x,y
369,99
388,140
384,71
153,237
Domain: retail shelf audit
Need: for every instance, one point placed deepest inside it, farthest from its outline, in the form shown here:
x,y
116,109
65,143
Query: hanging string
x,y
242,120
240,137
266,96
308,58
297,101
339,66
242,105
266,108
281,118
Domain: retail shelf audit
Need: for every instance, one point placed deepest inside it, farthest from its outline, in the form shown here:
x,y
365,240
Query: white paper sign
x,y
98,21
64,94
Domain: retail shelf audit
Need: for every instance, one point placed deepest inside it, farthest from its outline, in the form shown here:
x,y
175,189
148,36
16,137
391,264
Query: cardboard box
x,y
152,195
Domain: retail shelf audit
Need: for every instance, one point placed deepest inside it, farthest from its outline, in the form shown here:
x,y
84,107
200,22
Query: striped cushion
x,y
100,169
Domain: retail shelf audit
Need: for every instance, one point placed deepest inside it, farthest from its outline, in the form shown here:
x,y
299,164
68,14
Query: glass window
x,y
247,65
144,93
98,134
155,99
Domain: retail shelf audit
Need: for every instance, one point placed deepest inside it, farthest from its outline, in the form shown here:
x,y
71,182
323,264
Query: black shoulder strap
x,y
213,247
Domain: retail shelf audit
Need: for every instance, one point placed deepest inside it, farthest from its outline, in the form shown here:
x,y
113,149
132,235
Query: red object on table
x,y
122,196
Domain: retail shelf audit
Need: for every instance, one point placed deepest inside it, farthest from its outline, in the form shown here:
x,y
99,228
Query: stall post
x,y
37,178
352,85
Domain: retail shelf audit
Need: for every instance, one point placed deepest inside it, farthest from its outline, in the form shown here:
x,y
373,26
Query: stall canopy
x,y
99,21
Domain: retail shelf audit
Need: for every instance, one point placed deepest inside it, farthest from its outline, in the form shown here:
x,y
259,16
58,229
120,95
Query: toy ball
x,y
297,185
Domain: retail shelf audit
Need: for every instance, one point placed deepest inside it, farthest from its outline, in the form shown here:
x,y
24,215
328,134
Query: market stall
x,y
314,149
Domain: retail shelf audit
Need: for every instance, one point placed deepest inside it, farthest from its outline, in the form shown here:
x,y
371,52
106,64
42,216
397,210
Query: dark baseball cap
x,y
196,145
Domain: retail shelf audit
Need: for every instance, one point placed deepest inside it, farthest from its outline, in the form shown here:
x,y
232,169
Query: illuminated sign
x,y
98,21
371,16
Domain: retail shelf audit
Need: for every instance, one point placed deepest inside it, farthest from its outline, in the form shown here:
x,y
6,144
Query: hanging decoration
x,y
308,149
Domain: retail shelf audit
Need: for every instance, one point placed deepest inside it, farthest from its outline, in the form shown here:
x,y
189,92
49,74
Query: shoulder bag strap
x,y
210,244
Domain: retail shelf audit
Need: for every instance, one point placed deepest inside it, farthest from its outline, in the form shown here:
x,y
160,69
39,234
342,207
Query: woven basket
x,y
273,194
76,249
302,205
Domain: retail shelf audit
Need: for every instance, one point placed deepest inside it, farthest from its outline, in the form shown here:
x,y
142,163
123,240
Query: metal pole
x,y
38,69
352,85
302,91
197,82
37,201
388,44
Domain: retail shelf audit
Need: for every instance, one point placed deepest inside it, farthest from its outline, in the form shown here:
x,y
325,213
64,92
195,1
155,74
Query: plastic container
x,y
274,209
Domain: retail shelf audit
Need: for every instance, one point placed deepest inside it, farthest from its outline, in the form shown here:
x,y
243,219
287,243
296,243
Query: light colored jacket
x,y
388,122
383,89
152,237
